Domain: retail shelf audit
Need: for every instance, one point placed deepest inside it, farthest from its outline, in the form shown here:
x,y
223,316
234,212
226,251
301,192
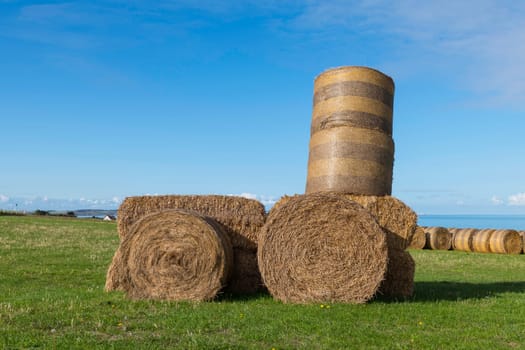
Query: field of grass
x,y
52,273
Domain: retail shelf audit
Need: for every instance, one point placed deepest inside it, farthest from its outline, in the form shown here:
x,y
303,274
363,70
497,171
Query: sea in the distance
x,y
514,222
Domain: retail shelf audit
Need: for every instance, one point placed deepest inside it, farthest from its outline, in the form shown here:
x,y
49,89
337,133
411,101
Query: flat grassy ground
x,y
52,273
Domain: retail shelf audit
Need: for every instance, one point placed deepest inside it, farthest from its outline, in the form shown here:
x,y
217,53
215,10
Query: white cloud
x,y
3,198
496,201
265,200
517,199
248,195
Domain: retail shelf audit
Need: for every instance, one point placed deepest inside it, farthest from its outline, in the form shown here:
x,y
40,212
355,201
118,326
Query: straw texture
x,y
399,278
394,216
462,239
242,218
438,238
351,147
322,248
174,255
481,241
418,240
506,242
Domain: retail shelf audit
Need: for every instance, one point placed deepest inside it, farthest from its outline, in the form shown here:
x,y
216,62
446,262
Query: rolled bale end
x,y
397,218
399,278
322,248
116,276
418,240
462,239
245,277
481,241
283,200
506,242
241,218
175,255
438,238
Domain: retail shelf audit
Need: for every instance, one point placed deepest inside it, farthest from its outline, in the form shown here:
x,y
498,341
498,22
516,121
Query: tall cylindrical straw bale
x,y
351,146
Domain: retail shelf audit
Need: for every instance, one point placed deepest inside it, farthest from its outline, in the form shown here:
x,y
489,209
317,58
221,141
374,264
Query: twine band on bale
x,y
175,255
354,73
438,238
351,118
322,248
418,239
506,242
354,88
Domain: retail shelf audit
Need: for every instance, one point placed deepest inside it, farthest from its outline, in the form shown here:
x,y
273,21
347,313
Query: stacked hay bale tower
x,y
351,156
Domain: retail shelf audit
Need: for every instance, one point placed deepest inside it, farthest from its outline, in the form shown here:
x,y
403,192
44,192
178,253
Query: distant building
x,y
109,218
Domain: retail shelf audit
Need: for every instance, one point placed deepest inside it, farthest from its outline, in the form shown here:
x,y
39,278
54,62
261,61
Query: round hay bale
x,y
116,275
351,147
394,216
322,248
284,199
462,239
399,278
506,242
357,97
418,239
522,235
245,277
176,255
350,160
481,241
241,218
437,238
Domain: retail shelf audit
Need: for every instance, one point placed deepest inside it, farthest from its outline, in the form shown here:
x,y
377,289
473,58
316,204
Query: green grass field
x,y
52,273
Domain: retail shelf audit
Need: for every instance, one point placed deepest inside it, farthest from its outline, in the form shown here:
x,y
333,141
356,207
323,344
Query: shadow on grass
x,y
453,291
229,297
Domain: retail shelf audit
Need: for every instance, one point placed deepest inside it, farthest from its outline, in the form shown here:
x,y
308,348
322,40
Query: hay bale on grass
x,y
462,239
506,242
397,218
322,248
438,238
481,241
175,255
242,218
399,278
116,275
418,239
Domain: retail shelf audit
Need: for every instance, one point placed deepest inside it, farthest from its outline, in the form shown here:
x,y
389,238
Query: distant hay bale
x,y
399,278
462,239
351,146
397,218
522,235
418,239
175,255
242,218
437,238
481,241
506,242
322,248
245,277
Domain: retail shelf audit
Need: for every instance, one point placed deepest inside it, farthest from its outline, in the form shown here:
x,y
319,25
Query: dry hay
x,y
174,255
393,215
242,218
438,238
522,235
322,248
462,239
350,160
399,278
351,146
506,242
245,278
418,240
116,276
283,200
481,241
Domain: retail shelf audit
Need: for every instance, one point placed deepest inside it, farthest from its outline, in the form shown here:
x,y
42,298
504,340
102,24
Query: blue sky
x,y
106,99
